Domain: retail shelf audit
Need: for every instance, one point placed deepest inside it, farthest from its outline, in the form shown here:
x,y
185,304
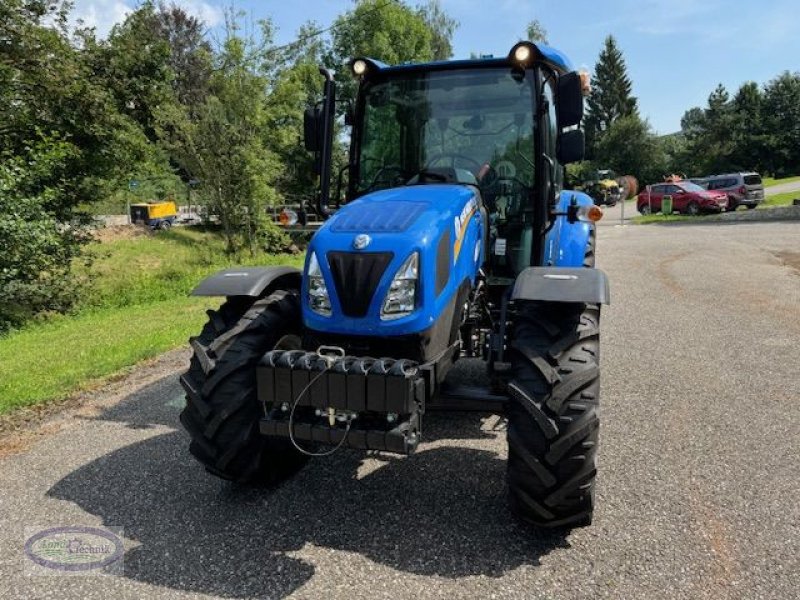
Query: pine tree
x,y
611,96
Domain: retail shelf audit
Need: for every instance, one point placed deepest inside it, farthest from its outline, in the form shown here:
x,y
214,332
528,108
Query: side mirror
x,y
569,100
570,146
312,129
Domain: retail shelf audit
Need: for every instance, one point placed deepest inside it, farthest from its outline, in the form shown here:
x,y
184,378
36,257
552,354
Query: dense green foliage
x,y
162,103
611,96
756,129
617,137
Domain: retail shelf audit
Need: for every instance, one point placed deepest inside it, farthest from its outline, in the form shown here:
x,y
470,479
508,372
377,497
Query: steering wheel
x,y
380,172
453,159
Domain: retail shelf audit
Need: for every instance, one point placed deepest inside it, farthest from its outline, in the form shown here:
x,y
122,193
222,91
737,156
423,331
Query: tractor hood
x,y
360,249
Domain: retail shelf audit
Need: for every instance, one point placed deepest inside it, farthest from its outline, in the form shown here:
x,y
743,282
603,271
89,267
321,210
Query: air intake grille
x,y
356,276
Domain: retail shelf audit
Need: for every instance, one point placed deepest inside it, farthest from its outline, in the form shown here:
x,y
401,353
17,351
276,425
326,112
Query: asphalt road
x,y
698,485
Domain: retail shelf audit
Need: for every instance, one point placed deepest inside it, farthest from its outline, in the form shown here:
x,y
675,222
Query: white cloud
x,y
104,14
210,14
100,14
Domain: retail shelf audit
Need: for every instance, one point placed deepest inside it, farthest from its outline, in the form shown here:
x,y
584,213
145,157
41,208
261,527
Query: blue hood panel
x,y
441,222
391,216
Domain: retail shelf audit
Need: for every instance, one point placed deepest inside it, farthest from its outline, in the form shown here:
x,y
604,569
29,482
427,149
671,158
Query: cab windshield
x,y
471,126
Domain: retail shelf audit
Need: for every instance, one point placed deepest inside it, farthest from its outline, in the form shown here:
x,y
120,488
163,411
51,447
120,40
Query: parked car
x,y
743,189
687,198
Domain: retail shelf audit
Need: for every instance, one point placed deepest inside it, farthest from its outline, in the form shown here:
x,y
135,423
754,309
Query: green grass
x,y
770,181
52,360
779,199
157,267
136,306
646,219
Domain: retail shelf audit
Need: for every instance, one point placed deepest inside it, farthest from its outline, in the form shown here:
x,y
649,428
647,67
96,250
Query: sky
x,y
677,51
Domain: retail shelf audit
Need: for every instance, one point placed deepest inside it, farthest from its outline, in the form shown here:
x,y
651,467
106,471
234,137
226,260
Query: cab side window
x,y
550,132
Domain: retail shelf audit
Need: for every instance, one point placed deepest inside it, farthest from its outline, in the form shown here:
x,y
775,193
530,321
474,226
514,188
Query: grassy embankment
x,y
135,307
770,181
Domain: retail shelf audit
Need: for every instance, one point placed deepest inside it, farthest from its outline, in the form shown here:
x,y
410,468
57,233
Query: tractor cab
x,y
503,126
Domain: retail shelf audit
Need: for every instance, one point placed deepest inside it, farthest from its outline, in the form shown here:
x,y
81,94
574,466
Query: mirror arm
x,y
328,107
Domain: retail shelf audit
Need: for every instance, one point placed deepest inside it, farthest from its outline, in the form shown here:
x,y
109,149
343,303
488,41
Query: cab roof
x,y
547,54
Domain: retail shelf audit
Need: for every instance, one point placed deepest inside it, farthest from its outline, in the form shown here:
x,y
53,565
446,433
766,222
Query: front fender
x,y
558,284
247,281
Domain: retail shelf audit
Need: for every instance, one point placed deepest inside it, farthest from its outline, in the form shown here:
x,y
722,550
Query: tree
x,y
678,155
388,31
133,64
47,89
223,144
536,32
629,147
782,123
38,245
442,28
718,128
190,54
611,96
709,133
295,88
747,127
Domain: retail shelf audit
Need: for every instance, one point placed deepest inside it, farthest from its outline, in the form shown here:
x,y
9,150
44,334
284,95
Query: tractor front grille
x,y
356,276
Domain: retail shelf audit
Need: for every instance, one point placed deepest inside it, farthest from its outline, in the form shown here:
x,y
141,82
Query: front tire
x,y
553,413
222,410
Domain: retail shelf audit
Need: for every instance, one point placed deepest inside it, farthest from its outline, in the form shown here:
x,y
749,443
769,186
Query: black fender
x,y
248,281
562,284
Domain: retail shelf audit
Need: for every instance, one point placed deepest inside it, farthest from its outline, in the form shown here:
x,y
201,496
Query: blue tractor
x,y
456,242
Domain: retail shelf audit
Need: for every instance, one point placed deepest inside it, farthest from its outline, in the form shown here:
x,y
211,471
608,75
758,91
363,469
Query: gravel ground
x,y
697,493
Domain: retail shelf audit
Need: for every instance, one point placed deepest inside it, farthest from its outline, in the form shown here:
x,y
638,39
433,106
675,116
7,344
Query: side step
x,y
467,398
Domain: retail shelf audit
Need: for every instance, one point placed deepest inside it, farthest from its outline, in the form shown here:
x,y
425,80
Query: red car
x,y
687,198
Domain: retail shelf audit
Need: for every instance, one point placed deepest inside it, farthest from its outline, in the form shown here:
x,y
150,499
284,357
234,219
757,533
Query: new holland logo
x,y
461,221
361,241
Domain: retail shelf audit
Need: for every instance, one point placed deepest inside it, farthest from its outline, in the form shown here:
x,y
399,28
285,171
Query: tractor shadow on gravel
x,y
441,512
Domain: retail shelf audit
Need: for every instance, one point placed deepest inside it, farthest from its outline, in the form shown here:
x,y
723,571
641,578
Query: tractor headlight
x,y
522,53
318,298
401,298
359,67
